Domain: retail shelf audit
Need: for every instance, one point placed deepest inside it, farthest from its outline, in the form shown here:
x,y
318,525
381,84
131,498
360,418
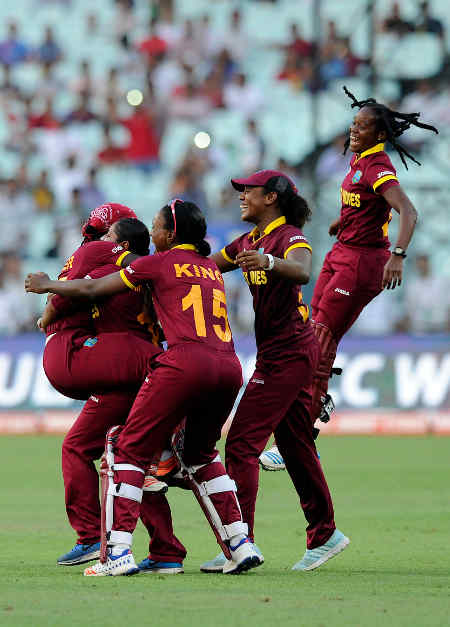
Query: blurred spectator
x,y
427,300
427,23
188,103
301,47
16,209
16,308
44,198
394,23
124,22
83,83
242,96
153,45
207,37
186,185
235,38
291,70
167,27
12,49
252,148
142,150
82,113
47,119
188,47
287,168
91,195
92,25
50,84
49,51
110,152
332,161
333,63
69,176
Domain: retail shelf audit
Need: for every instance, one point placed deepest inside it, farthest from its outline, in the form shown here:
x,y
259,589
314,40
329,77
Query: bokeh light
x,y
134,97
202,139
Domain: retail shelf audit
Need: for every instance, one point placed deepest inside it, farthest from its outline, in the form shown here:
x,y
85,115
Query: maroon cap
x,y
260,178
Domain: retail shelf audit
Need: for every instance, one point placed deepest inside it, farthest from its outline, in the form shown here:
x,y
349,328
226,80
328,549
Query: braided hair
x,y
392,122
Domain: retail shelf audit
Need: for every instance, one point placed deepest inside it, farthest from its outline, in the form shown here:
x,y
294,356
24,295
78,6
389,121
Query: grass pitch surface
x,y
391,498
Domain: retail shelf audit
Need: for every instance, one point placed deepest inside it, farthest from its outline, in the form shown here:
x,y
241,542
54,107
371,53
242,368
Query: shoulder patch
x,y
117,249
357,176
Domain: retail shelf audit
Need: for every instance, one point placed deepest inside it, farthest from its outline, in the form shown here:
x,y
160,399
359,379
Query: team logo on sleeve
x,y
117,248
384,173
296,237
129,269
356,177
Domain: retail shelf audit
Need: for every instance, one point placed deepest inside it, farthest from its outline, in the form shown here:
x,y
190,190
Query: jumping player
x,y
275,258
198,377
360,266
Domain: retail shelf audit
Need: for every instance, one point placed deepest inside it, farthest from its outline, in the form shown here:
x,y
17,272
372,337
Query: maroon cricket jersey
x,y
281,316
188,295
84,259
124,311
365,214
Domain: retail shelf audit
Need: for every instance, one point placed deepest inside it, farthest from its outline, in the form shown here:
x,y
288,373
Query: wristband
x,y
271,262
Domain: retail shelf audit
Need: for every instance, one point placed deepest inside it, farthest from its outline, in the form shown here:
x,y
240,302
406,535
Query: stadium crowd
x,y
68,127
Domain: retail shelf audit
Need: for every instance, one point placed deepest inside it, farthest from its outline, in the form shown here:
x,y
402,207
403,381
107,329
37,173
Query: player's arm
x,y
223,261
91,289
296,264
399,201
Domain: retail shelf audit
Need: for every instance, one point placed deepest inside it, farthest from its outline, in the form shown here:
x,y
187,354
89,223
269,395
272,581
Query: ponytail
x,y
293,206
190,225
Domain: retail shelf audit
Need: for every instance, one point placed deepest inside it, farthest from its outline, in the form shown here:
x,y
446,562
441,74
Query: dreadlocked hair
x,y
293,206
392,122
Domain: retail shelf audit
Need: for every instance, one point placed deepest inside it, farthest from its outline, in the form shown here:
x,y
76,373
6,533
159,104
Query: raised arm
x,y
91,289
296,266
399,201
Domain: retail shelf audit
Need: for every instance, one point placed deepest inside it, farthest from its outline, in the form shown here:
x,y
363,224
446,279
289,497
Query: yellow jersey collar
x,y
370,151
269,228
185,247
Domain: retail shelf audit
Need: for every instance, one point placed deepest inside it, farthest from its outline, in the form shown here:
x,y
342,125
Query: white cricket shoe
x,y
152,484
271,459
122,564
244,557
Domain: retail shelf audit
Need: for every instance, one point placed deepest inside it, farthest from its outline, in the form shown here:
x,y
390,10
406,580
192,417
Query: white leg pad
x,y
233,529
216,485
120,537
125,490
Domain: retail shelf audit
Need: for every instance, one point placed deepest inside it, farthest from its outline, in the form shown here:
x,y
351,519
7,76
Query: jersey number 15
x,y
194,299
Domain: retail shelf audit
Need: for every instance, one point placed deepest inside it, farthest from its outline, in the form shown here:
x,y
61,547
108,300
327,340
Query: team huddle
x,y
145,341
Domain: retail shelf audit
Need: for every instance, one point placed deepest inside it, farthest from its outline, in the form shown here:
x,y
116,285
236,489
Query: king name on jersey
x,y
191,270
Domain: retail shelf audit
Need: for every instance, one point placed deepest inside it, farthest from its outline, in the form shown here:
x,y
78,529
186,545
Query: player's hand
x,y
37,283
40,325
251,260
334,228
393,272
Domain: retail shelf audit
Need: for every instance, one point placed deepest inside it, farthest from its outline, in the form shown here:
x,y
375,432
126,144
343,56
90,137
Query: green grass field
x,y
391,498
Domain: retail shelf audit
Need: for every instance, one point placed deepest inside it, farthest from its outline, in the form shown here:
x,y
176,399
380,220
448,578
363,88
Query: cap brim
x,y
240,184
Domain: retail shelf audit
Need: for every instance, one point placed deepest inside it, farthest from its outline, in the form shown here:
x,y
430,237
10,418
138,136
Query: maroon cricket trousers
x,y
277,400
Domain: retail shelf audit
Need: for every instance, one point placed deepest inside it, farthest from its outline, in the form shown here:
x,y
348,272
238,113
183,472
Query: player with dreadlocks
x,y
360,265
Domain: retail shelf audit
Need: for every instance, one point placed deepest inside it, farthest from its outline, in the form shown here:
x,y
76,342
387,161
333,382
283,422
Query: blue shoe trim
x,y
79,551
243,541
148,564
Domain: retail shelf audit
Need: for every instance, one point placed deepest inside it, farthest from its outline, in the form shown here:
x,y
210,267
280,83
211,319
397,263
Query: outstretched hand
x,y
393,272
37,283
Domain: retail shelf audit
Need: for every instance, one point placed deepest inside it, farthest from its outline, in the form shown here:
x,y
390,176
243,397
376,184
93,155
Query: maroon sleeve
x,y
293,238
230,251
381,175
142,270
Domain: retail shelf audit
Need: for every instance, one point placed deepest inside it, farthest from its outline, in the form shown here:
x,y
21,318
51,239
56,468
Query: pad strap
x,y
233,529
218,484
120,537
127,467
126,491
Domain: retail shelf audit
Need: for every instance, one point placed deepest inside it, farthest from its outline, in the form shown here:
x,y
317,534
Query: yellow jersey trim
x,y
269,228
127,282
383,179
121,257
63,278
185,247
370,151
226,257
298,245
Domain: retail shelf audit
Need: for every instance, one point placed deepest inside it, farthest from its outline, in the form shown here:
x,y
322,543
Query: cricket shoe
x,y
271,459
80,554
152,484
244,557
163,568
216,565
122,564
313,558
328,408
